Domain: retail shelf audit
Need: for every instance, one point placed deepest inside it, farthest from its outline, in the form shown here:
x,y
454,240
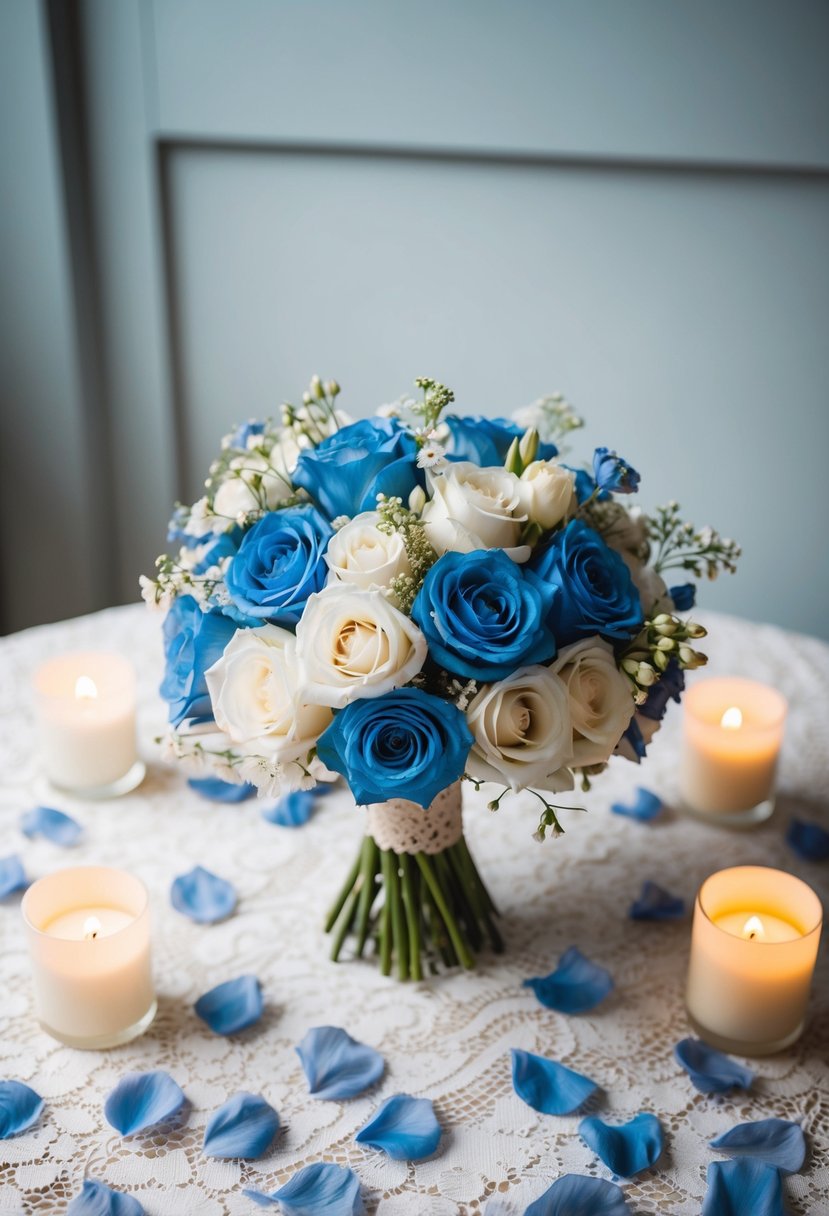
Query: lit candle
x,y
86,717
753,950
733,729
89,938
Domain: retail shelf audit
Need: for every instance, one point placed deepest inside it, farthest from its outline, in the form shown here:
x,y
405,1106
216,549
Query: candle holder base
x,y
751,817
736,1046
114,789
100,1042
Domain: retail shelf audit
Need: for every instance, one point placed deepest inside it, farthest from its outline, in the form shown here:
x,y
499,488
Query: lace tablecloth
x,y
447,1038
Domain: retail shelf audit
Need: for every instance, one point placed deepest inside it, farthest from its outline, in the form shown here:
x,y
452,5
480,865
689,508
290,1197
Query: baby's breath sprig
x,y
553,417
394,517
549,821
664,638
436,397
680,545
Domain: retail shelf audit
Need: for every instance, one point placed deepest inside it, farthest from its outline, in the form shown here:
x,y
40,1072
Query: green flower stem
x,y
412,916
457,898
369,866
479,897
344,924
385,921
345,891
440,942
399,932
462,848
455,936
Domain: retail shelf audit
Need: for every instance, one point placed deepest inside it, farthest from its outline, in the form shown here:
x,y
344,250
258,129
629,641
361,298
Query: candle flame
x,y
91,928
732,719
85,689
754,928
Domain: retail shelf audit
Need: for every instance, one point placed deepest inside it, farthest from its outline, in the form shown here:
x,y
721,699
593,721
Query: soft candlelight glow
x,y
91,928
753,950
85,689
731,741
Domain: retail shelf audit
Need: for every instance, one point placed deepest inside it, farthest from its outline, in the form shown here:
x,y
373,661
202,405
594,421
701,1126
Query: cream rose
x,y
473,508
355,644
548,492
363,556
522,729
601,704
254,692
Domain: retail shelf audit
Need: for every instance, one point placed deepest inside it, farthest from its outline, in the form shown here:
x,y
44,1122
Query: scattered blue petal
x,y
20,1107
323,1189
244,1126
54,825
644,807
295,808
337,1066
578,1195
405,1128
809,840
232,1006
97,1199
142,1099
12,875
655,903
711,1071
627,1149
203,896
743,1188
548,1086
576,985
777,1142
221,791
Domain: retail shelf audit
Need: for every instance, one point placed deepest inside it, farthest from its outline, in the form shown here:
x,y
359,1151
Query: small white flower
x,y
430,455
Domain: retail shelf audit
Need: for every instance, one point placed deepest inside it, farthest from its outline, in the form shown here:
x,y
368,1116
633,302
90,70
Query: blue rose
x,y
278,566
684,596
247,430
668,687
193,641
486,441
345,473
613,473
224,545
596,594
404,744
484,616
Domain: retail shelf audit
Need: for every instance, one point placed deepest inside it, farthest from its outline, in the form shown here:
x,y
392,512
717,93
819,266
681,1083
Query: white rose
x,y
237,496
473,508
355,644
362,555
548,492
254,692
601,704
523,735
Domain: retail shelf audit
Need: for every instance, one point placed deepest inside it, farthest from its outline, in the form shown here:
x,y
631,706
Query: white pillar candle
x,y
733,729
88,930
85,706
753,950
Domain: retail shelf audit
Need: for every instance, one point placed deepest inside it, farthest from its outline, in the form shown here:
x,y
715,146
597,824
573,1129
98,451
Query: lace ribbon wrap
x,y
405,827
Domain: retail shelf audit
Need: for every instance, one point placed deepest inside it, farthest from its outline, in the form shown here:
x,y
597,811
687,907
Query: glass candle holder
x,y
753,950
85,708
88,932
732,733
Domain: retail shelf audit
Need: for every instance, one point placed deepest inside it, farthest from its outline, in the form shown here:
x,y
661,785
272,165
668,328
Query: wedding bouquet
x,y
413,600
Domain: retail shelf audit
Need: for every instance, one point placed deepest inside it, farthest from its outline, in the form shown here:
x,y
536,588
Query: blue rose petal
x,y
323,1189
97,1199
193,642
279,565
645,806
142,1099
777,1142
231,1006
216,790
20,1107
626,1149
655,903
244,1126
54,825
613,474
711,1071
808,840
12,875
576,985
548,1086
404,1128
578,1195
202,896
337,1066
743,1188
